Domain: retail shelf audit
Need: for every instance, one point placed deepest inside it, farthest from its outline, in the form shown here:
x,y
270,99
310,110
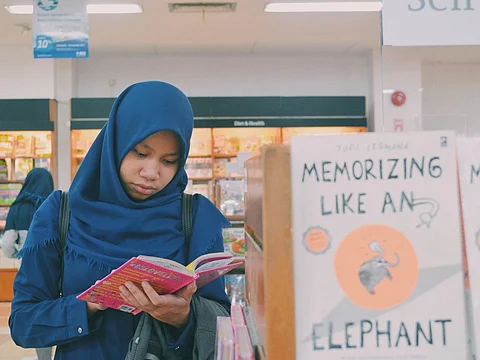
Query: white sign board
x,y
377,244
60,29
431,22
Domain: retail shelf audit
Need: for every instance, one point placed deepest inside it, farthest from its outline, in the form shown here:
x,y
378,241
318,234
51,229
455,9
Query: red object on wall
x,y
398,98
398,125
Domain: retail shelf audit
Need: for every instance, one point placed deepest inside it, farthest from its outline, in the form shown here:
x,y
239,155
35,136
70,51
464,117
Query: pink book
x,y
165,276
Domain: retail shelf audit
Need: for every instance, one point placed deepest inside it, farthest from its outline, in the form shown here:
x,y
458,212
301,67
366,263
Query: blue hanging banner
x,y
60,29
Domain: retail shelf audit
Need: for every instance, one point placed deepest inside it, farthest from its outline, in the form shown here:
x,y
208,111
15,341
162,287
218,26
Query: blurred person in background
x,y
37,187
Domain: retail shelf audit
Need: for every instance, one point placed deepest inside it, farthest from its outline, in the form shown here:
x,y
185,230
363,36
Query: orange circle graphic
x,y
317,240
377,267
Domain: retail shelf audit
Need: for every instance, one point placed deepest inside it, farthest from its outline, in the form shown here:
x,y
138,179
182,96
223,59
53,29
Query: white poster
x,y
60,29
431,22
377,247
469,174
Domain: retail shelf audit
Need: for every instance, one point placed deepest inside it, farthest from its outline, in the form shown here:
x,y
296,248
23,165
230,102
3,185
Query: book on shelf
x,y
468,154
377,217
164,275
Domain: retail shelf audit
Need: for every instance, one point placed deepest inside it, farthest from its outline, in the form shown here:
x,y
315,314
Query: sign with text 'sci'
x,y
431,22
60,29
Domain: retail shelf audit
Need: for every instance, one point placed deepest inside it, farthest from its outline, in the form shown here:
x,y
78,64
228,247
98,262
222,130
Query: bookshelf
x,y
269,256
20,152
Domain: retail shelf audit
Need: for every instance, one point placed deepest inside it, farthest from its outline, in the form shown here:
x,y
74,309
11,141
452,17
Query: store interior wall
x,y
451,96
229,75
22,77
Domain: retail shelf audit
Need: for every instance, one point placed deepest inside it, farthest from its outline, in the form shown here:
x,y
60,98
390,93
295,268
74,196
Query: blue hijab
x,y
106,226
37,187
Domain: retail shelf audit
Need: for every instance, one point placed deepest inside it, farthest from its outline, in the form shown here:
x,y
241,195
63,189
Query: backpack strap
x,y
63,224
187,217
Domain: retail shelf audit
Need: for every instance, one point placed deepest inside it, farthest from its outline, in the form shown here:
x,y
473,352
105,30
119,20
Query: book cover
x,y
165,276
378,262
468,154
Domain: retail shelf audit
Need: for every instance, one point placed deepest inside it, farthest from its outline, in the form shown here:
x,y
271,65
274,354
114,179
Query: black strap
x,y
63,224
187,217
64,221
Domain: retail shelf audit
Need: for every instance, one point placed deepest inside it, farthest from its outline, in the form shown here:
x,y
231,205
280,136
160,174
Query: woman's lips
x,y
142,189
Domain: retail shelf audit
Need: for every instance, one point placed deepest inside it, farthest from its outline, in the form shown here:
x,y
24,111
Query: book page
x,y
207,258
166,263
206,276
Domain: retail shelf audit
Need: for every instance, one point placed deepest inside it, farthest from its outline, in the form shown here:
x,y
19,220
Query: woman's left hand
x,y
172,309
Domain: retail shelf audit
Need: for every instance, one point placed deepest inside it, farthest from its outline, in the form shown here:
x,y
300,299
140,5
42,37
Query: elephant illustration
x,y
373,271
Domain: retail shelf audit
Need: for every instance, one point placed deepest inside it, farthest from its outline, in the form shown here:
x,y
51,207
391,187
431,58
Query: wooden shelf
x,y
227,177
235,217
25,157
196,156
224,156
200,178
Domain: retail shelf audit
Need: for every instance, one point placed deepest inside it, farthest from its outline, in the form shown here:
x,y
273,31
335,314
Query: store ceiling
x,y
248,30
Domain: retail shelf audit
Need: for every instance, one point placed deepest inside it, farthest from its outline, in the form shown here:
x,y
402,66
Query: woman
x,y
37,187
125,200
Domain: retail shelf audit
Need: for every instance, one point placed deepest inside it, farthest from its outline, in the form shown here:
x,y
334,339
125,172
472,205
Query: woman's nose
x,y
150,173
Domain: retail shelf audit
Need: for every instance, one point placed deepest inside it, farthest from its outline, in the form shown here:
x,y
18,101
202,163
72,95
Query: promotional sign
x,y
431,22
60,29
377,242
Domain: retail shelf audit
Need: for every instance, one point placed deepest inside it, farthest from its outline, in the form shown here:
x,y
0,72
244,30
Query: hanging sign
x,y
430,22
60,29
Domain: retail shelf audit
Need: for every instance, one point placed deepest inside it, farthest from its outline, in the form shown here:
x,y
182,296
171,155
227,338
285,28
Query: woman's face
x,y
150,166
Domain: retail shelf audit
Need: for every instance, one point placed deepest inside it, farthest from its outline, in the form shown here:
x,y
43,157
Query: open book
x,y
165,276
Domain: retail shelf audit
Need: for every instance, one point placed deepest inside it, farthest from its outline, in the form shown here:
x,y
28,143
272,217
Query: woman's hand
x,y
92,308
172,309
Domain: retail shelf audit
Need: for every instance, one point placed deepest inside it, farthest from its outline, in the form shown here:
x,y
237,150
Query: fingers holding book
x,y
172,309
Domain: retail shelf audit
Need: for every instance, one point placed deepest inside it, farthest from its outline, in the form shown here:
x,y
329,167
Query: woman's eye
x,y
169,161
138,153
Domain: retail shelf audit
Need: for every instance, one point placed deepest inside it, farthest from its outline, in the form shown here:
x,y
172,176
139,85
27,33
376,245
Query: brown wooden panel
x,y
278,253
6,284
269,258
253,197
254,283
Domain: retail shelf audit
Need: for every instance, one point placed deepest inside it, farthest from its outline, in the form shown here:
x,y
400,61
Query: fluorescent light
x,y
324,7
91,9
388,91
20,9
114,9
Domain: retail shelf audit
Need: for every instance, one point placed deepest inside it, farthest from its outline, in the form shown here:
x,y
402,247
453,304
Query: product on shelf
x,y
227,142
224,340
8,192
22,167
231,197
42,163
377,247
43,144
201,142
3,217
3,170
235,288
199,167
6,145
204,189
234,240
227,168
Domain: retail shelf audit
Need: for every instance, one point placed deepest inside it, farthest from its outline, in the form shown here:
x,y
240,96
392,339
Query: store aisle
x,y
8,349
